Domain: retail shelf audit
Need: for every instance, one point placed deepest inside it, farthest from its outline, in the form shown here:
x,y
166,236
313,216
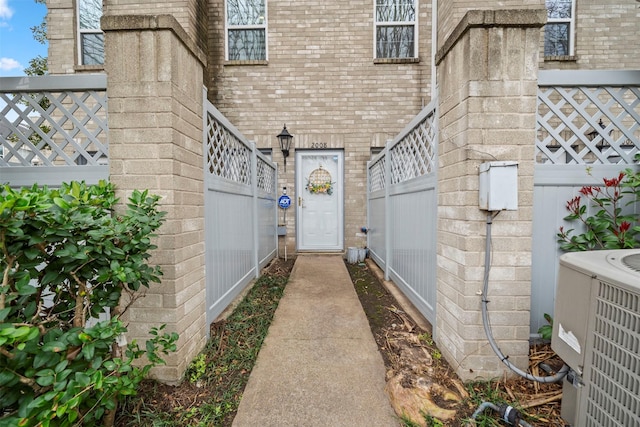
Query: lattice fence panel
x,y
377,175
588,125
54,128
414,155
266,177
227,156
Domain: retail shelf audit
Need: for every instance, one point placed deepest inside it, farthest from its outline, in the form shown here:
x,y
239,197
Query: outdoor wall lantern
x,y
285,139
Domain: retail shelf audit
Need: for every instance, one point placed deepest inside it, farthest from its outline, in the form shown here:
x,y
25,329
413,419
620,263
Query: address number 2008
x,y
318,145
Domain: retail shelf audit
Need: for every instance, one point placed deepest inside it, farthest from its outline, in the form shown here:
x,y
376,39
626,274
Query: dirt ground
x,y
420,380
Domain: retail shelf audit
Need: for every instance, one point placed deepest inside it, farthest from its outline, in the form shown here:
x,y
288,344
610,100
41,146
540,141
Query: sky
x,y
17,45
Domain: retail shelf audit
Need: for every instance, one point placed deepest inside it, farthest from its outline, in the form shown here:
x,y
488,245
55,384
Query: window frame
x,y
263,27
267,152
86,31
572,33
377,24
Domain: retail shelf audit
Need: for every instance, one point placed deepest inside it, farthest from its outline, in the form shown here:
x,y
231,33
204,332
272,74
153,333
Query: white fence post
x,y
254,191
387,211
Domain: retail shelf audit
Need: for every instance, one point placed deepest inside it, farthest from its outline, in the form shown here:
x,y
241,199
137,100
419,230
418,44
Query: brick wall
x,y
487,74
606,33
322,82
62,31
606,36
155,142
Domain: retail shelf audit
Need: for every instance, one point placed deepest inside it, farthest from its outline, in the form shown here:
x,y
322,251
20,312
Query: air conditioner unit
x,y
596,331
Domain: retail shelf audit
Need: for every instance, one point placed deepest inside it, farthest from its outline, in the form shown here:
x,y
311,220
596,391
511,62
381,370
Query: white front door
x,y
319,190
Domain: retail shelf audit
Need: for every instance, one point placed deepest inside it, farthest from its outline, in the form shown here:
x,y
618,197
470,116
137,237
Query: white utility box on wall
x,y
499,186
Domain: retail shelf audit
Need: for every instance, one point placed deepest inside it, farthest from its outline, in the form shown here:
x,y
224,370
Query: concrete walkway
x,y
319,365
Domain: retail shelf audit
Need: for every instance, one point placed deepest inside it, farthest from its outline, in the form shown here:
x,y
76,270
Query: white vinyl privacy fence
x,y
588,128
402,209
53,129
240,211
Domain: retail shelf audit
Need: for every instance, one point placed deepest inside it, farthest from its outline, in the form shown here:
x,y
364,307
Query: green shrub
x,y
607,228
66,258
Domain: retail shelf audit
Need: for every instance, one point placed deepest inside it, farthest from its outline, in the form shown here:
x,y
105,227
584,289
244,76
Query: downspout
x,y
434,96
434,46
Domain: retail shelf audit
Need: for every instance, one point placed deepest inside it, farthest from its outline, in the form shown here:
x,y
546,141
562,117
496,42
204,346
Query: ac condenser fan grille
x,y
613,397
632,261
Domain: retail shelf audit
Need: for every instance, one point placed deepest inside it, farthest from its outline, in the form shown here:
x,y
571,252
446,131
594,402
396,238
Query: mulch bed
x,y
413,361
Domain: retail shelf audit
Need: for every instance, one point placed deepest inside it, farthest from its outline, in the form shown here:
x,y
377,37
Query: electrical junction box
x,y
499,186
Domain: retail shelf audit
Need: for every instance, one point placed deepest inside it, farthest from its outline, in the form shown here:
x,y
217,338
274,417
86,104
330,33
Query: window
x,y
267,152
246,30
90,37
558,32
395,27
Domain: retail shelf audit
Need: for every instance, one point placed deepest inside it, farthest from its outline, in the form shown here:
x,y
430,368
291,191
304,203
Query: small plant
x,y
608,227
481,391
545,330
426,338
407,422
432,421
197,368
484,391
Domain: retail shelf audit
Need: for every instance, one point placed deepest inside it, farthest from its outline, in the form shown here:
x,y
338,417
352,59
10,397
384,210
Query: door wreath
x,y
319,182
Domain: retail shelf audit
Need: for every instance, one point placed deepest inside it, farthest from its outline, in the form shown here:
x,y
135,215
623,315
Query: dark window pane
x,y
90,12
395,10
556,39
92,49
245,12
558,8
246,45
395,42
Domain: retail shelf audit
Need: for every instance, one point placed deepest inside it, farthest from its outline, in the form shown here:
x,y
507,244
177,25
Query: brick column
x,y
487,76
154,84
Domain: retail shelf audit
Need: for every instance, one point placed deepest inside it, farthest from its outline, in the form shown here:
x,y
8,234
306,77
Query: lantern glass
x,y
285,139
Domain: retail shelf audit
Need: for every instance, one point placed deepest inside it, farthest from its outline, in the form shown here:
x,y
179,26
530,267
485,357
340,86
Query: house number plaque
x,y
319,145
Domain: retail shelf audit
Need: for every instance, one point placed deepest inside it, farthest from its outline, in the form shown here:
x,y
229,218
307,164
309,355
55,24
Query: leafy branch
x,y
68,256
608,227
